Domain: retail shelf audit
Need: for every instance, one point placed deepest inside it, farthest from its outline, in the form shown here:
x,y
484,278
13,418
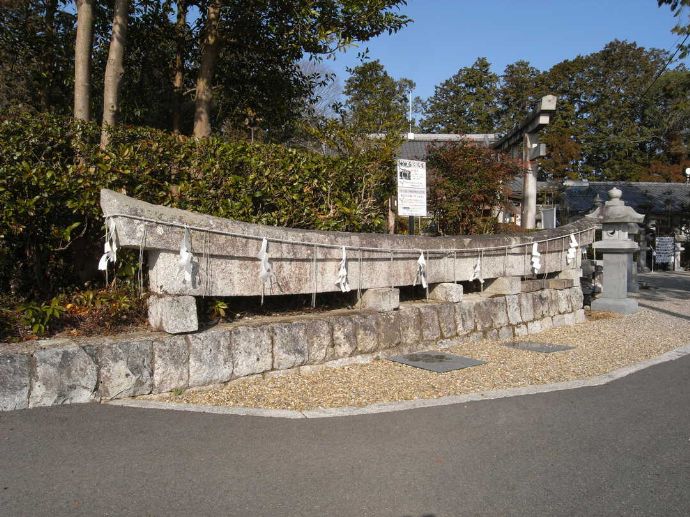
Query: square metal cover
x,y
544,348
439,362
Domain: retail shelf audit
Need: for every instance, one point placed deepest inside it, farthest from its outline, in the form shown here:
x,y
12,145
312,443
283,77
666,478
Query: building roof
x,y
644,197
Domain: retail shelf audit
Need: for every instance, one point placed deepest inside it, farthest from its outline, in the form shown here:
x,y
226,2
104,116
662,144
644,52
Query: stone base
x,y
623,306
503,285
570,274
173,314
385,299
446,292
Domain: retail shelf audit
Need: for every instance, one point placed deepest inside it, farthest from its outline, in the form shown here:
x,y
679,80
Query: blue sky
x,y
449,34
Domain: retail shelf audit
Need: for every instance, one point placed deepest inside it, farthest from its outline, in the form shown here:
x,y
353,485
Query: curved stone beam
x,y
225,252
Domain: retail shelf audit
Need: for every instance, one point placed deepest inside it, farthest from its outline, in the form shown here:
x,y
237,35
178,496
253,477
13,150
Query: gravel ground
x,y
603,343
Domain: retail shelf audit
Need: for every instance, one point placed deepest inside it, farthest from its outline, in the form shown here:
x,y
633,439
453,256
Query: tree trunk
x,y
82,60
47,65
178,81
114,70
209,53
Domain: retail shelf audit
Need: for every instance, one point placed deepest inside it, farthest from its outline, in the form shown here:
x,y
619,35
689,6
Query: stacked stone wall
x,y
62,371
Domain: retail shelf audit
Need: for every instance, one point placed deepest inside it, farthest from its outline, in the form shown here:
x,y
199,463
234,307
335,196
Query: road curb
x,y
388,407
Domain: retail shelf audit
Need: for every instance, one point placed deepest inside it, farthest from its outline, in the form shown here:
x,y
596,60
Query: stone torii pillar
x,y
617,222
523,143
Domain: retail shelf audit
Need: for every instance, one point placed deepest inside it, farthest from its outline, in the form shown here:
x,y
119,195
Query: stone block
x,y
513,308
14,381
446,292
344,338
491,334
499,311
534,327
63,375
388,328
620,305
570,274
559,283
559,320
569,318
429,323
580,316
410,325
521,331
381,299
446,319
538,309
549,299
505,332
503,285
482,315
563,301
251,349
530,286
526,307
125,368
319,339
577,299
290,346
210,357
546,323
173,314
366,333
170,364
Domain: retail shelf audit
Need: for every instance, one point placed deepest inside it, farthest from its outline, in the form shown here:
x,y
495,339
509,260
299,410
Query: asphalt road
x,y
618,449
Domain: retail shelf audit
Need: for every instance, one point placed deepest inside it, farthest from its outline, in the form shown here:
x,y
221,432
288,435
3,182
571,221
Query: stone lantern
x,y
618,221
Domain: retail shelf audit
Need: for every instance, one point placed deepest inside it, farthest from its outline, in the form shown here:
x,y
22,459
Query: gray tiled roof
x,y
644,197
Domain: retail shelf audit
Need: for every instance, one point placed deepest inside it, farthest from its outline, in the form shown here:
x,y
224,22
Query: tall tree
x,y
209,54
376,102
114,70
82,60
465,103
178,80
517,94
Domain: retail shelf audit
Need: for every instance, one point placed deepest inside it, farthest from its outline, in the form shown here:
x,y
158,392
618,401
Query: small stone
x,y
446,292
559,320
580,316
547,323
569,318
521,330
14,381
251,350
534,327
170,364
125,369
173,314
210,357
491,334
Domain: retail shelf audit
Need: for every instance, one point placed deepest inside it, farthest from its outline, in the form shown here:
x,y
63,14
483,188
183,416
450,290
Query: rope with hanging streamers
x,y
428,261
265,268
207,263
359,273
455,272
313,294
342,281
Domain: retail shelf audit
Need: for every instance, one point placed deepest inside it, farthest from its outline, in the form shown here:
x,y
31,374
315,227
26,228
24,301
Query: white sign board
x,y
665,247
411,188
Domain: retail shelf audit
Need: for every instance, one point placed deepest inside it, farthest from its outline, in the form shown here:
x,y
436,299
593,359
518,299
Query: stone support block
x,y
173,314
381,300
14,380
319,340
503,285
446,320
290,346
63,375
210,357
559,283
513,307
125,369
344,338
446,292
252,351
429,323
389,329
410,325
170,364
571,274
621,305
366,333
526,307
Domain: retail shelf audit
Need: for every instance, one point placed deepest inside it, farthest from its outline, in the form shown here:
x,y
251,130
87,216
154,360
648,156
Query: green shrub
x,y
51,172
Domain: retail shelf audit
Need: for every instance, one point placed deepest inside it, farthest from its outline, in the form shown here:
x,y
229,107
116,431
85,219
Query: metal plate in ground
x,y
544,348
439,362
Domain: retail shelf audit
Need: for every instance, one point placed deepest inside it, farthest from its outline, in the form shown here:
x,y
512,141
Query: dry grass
x,y
604,343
